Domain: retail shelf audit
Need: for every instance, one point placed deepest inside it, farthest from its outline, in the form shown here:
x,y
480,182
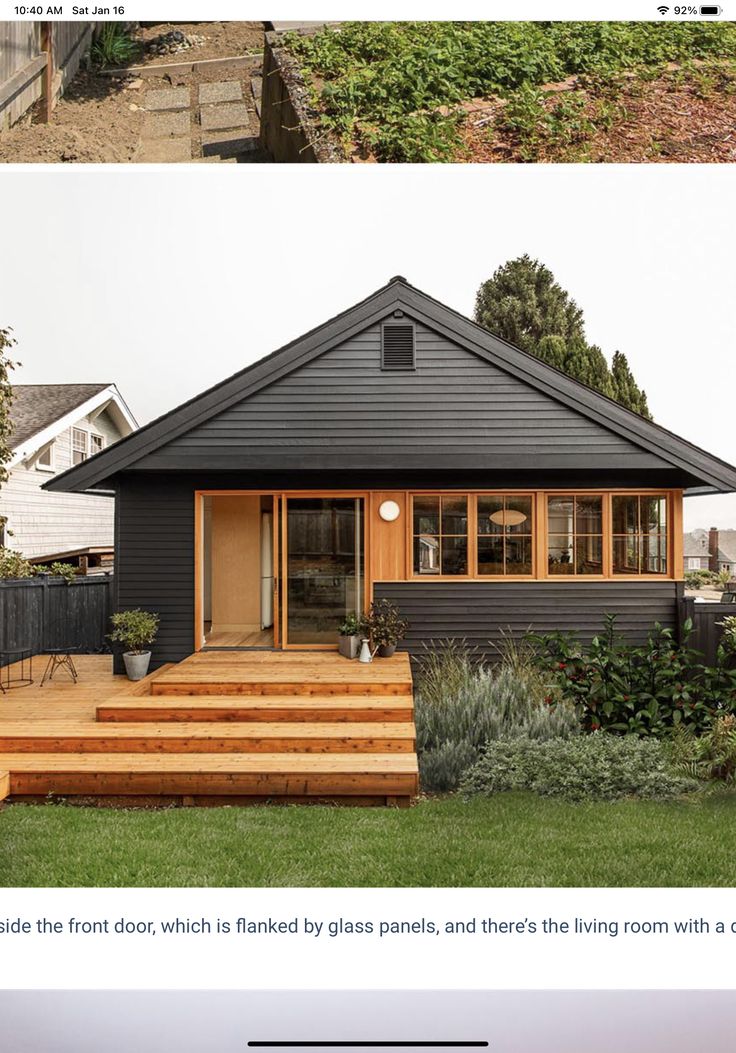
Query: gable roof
x,y
709,473
695,544
727,546
40,412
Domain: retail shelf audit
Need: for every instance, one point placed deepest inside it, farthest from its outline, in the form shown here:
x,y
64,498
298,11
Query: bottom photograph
x,y
502,1021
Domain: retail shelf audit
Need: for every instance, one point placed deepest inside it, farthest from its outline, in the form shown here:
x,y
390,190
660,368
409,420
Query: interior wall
x,y
236,563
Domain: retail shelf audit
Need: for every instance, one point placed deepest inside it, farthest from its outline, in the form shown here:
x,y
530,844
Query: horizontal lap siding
x,y
482,613
154,559
344,411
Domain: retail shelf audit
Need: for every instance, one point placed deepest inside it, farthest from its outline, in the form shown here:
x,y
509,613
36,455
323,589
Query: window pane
x,y
515,508
588,515
490,555
589,555
454,555
653,515
426,515
518,555
625,514
626,555
454,515
560,554
490,507
426,555
653,554
560,514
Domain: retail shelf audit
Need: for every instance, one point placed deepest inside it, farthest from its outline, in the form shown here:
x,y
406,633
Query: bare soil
x,y
99,118
665,120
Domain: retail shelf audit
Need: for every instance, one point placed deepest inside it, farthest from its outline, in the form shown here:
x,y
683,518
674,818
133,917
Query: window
x,y
79,446
97,443
504,534
639,528
575,534
45,459
440,526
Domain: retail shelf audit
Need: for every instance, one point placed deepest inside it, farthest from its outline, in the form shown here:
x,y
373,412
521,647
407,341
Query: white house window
x,y
97,443
45,459
80,450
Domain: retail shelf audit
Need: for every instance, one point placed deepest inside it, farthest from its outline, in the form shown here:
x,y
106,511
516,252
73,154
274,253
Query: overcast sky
x,y
166,281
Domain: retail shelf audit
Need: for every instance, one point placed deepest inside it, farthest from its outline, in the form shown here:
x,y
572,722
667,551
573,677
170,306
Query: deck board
x,y
286,726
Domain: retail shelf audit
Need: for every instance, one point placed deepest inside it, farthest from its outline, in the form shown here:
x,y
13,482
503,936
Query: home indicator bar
x,y
368,1045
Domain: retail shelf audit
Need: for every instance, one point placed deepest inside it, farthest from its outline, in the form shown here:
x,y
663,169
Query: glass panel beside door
x,y
324,572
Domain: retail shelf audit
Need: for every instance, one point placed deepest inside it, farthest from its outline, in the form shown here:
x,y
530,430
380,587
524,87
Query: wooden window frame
x,y
96,435
604,535
664,494
80,431
540,535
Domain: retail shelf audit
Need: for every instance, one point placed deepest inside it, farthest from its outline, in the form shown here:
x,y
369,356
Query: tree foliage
x,y
6,397
524,304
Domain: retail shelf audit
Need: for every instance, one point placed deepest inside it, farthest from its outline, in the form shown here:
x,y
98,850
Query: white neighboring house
x,y
53,427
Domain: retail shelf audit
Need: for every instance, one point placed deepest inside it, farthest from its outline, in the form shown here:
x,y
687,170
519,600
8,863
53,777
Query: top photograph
x,y
369,92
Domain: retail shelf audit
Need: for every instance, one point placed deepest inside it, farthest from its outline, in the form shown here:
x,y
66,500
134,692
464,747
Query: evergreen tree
x,y
524,304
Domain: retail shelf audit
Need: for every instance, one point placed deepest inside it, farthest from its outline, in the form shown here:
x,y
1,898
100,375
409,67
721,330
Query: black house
x,y
398,450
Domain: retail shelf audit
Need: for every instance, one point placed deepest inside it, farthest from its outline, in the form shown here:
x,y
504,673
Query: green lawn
x,y
507,840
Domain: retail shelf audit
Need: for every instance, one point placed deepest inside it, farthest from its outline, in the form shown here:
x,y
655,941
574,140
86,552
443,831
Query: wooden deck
x,y
220,726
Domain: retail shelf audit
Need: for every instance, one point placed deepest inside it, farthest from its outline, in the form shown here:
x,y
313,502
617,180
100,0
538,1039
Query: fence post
x,y
47,45
45,610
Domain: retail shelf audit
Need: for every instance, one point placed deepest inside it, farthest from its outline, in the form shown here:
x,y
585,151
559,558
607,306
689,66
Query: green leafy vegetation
x,y
114,46
524,304
506,840
646,690
14,565
7,341
584,768
460,706
134,629
383,85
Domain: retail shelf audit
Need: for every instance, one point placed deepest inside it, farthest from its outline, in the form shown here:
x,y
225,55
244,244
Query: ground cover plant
x,y
393,89
511,839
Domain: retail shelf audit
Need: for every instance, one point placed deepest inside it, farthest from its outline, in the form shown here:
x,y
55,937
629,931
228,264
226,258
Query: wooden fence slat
x,y
44,612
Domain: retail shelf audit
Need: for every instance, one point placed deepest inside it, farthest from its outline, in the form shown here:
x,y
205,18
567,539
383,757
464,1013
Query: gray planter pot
x,y
386,650
348,646
136,665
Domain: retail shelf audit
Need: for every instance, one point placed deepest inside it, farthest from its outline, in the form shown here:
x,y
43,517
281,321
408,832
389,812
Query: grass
x,y
509,840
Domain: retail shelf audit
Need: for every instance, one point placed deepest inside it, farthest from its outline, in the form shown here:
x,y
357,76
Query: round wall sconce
x,y
389,511
507,517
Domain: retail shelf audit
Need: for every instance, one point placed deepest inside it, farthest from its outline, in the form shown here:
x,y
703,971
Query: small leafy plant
x,y
134,629
350,626
14,565
384,624
67,571
114,46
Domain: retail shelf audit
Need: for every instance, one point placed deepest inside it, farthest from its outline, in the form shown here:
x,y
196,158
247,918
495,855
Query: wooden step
x,y
286,673
212,774
4,784
268,709
67,736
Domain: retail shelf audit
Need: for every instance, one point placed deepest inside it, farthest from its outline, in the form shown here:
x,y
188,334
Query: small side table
x,y
59,658
22,656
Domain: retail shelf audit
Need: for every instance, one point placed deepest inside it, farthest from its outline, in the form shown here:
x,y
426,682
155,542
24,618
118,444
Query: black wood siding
x,y
481,612
341,411
154,559
43,612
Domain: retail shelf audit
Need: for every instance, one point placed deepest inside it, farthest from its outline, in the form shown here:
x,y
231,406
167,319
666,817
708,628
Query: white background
x,y
465,962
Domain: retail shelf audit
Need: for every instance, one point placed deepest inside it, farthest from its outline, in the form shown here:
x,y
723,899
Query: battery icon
x,y
711,9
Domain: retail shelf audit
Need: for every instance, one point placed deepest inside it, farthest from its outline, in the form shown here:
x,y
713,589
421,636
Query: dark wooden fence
x,y
45,612
707,631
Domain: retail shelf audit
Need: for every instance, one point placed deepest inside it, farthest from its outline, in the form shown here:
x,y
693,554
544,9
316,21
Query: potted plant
x,y
385,627
135,630
348,642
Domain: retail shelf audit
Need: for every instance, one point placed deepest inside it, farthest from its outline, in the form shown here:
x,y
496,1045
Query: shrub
x,y
460,705
588,767
644,690
13,565
134,629
67,571
384,625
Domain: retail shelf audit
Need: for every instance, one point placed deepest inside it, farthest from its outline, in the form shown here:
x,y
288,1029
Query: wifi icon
x,y
663,9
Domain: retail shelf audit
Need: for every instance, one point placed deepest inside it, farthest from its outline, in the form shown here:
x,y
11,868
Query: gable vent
x,y
397,346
